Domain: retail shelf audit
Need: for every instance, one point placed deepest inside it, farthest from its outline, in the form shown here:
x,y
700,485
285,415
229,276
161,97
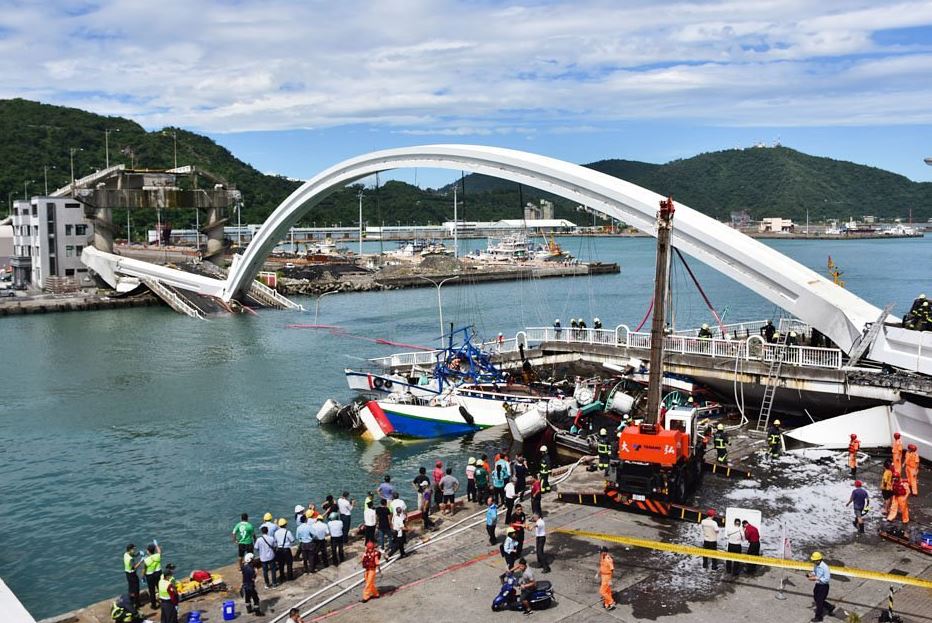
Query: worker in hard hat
x,y
774,439
897,448
268,521
284,559
821,575
705,332
911,464
606,569
596,323
557,328
544,472
853,447
720,441
792,339
248,586
900,503
168,595
768,331
917,303
604,450
886,486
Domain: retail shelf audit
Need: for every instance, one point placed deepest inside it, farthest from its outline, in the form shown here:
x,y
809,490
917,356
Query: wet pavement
x,y
455,578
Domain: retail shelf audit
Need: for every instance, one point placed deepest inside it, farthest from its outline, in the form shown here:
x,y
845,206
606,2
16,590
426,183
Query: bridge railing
x,y
735,330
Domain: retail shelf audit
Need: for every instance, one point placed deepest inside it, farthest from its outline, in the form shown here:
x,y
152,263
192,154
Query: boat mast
x,y
655,377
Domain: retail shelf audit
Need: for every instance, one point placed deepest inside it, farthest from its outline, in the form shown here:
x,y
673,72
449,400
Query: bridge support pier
x,y
103,229
214,231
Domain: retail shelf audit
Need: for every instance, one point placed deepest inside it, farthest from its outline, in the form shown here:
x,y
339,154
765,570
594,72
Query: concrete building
x,y
775,225
49,234
542,212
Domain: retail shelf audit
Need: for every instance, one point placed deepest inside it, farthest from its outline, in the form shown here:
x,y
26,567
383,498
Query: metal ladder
x,y
865,342
770,388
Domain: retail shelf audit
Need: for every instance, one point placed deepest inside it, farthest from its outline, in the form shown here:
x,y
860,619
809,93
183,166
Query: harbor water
x,y
131,425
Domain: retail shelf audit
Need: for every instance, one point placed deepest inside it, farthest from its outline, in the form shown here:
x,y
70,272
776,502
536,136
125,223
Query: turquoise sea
x,y
124,426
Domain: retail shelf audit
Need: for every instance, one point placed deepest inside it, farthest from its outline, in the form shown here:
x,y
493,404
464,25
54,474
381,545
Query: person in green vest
x,y
244,535
168,595
132,578
152,565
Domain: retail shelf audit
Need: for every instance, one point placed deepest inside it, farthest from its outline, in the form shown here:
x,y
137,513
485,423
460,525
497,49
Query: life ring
x,y
388,384
378,382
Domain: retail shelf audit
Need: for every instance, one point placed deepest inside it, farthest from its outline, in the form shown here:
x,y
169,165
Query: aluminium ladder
x,y
770,387
868,338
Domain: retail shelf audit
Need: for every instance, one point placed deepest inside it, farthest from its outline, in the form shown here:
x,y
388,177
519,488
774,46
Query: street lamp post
x,y
174,135
72,151
45,172
317,306
107,144
359,196
439,302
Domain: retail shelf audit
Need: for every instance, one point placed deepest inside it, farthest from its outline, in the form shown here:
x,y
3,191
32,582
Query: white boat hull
x,y
328,412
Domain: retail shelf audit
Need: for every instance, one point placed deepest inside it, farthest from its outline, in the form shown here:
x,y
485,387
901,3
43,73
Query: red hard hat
x,y
858,483
896,435
711,512
911,447
853,436
896,475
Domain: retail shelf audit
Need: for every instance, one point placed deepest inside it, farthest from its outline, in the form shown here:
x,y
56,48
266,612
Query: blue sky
x,y
294,87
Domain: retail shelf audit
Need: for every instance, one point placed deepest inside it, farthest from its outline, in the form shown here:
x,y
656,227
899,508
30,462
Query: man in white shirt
x,y
369,520
735,536
398,533
509,499
265,548
335,525
710,532
284,557
345,505
540,539
397,503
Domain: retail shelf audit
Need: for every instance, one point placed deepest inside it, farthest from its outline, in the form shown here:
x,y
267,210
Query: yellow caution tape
x,y
754,560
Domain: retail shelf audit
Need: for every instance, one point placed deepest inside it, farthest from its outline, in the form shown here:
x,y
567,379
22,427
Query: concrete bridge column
x,y
103,229
214,232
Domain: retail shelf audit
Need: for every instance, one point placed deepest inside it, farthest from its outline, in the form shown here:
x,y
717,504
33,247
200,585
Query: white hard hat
x,y
597,320
705,325
543,448
603,432
248,558
557,320
299,509
776,422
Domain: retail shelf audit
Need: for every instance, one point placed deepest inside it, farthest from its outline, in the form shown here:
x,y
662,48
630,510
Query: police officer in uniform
x,y
720,441
544,472
132,578
604,450
775,439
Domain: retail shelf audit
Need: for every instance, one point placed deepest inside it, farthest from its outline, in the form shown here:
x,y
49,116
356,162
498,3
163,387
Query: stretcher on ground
x,y
199,583
898,536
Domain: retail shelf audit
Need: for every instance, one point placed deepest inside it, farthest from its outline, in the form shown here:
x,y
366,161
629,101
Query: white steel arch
x,y
836,312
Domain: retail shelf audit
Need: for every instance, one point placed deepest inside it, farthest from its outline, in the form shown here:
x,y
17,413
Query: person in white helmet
x,y
604,450
720,441
705,332
596,323
248,569
557,328
543,474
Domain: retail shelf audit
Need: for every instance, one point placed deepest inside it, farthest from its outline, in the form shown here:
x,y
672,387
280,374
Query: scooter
x,y
508,597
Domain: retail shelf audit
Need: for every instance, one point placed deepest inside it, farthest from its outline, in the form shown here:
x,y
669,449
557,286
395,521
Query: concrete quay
x,y
454,578
46,304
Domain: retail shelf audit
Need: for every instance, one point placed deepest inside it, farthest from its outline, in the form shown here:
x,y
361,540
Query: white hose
x,y
389,562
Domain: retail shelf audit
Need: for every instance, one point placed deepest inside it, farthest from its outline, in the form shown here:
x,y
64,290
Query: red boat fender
x,y
380,417
369,378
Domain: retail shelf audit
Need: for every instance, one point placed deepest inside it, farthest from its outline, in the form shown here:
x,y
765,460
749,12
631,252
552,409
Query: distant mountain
x,y
764,181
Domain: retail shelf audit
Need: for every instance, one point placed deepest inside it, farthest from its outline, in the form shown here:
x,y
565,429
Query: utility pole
x,y
455,244
661,277
359,196
72,151
107,144
45,172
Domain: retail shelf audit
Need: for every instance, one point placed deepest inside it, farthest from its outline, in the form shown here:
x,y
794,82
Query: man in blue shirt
x,y
860,500
491,518
821,576
319,534
386,489
305,542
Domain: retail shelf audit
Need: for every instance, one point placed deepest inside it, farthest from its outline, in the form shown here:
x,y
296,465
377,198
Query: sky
x,y
295,87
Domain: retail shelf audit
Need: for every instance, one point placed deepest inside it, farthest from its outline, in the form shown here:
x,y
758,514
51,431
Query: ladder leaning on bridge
x,y
770,385
868,338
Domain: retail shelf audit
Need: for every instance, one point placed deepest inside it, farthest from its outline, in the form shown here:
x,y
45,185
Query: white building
x,y
775,225
49,234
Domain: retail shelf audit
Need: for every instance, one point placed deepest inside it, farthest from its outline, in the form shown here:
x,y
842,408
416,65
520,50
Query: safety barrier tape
x,y
754,560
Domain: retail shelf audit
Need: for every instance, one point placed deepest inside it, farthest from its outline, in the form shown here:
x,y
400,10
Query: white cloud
x,y
458,68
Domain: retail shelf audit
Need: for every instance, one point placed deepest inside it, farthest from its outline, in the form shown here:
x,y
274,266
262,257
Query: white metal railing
x,y
260,289
750,349
172,299
735,330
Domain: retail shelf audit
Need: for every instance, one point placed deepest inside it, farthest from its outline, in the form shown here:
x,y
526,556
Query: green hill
x,y
38,138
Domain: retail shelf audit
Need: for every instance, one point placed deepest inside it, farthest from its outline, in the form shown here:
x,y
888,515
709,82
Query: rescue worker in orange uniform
x,y
912,468
897,453
900,500
606,568
370,565
853,446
